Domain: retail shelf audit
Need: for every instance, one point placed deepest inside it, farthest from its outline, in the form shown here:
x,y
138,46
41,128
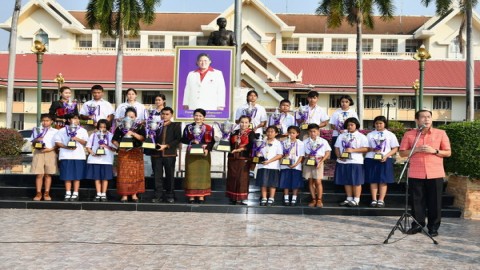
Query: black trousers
x,y
427,201
167,182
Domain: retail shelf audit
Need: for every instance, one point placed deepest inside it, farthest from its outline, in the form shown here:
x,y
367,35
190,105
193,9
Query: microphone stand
x,y
403,222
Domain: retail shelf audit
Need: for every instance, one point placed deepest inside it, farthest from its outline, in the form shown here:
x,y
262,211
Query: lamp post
x,y
421,56
39,49
415,87
388,105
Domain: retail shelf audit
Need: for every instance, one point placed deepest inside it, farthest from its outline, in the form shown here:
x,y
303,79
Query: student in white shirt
x,y
350,147
100,159
131,102
338,118
97,108
284,121
258,114
383,144
268,174
311,114
72,158
44,162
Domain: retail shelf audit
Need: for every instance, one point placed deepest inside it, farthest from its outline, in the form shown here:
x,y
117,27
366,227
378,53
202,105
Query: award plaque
x,y
378,156
223,146
90,122
286,161
311,161
72,144
39,145
346,155
148,144
196,149
258,159
100,152
127,124
126,143
304,126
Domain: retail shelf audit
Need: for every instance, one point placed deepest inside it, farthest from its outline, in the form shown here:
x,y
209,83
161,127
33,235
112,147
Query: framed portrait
x,y
203,79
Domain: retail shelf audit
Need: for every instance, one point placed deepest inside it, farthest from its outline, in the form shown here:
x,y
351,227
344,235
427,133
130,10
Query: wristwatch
x,y
436,151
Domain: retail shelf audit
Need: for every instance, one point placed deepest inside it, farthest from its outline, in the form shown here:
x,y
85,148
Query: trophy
x,y
226,128
91,108
276,117
380,142
303,112
126,125
150,113
347,143
250,111
152,127
38,133
70,106
72,132
102,139
312,157
341,121
198,132
257,150
287,148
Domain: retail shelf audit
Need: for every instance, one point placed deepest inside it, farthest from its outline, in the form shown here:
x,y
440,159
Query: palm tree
x,y
358,13
466,6
115,18
12,53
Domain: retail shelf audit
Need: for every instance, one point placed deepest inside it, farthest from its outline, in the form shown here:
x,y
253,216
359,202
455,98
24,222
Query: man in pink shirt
x,y
426,171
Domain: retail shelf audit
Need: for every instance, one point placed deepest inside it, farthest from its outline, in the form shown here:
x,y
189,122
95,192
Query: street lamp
x,y
421,56
388,105
39,49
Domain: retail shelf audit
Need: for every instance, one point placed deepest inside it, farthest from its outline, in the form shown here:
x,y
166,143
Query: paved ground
x,y
51,239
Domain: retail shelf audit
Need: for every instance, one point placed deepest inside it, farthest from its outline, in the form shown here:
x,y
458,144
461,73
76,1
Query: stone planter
x,y
467,195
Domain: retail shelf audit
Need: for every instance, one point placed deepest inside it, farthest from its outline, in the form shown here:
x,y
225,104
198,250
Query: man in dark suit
x,y
167,140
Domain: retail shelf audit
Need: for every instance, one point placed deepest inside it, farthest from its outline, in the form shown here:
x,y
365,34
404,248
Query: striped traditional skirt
x,y
131,174
198,181
238,179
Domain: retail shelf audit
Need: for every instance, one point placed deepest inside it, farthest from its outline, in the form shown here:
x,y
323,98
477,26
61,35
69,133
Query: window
x,y
290,44
149,97
133,43
19,95
442,103
111,96
476,103
83,95
367,44
202,41
300,99
454,46
389,45
180,41
411,45
339,44
84,41
49,95
372,102
109,43
406,102
156,42
314,44
282,93
334,101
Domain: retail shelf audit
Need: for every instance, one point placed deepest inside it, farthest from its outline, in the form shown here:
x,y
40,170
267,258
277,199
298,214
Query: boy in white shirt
x,y
284,120
97,108
311,114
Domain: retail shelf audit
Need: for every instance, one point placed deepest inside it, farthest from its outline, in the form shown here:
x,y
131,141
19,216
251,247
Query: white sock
x,y
99,194
271,199
379,201
285,197
103,194
294,197
356,199
349,198
68,193
75,193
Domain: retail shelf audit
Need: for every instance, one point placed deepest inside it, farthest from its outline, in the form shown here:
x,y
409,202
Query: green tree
x,y
116,18
466,6
356,13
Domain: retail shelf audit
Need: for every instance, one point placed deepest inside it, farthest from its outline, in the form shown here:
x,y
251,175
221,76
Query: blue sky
x,y
403,7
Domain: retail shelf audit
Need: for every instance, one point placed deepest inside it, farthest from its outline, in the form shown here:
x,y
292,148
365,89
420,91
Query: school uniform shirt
x,y
47,137
77,153
296,152
205,91
93,144
120,112
339,117
258,117
357,140
269,152
316,115
385,139
319,141
103,110
286,120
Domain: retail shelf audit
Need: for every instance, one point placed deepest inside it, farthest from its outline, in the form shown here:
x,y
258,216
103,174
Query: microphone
x,y
420,128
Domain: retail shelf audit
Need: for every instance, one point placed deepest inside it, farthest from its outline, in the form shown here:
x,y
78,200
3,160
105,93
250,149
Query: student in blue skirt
x,y
100,160
383,144
291,165
268,173
349,172
70,140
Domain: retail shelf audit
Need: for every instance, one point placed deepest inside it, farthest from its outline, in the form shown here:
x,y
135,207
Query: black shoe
x,y
170,200
415,229
156,200
103,199
74,198
433,233
96,199
191,201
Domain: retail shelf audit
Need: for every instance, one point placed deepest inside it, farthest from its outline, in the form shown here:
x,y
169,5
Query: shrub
x,y
465,144
397,128
11,142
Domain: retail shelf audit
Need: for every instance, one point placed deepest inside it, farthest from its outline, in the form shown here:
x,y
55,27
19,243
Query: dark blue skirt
x,y
349,174
99,172
72,169
291,179
379,172
267,178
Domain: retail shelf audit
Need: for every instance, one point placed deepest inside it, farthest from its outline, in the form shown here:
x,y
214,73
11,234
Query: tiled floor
x,y
64,239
